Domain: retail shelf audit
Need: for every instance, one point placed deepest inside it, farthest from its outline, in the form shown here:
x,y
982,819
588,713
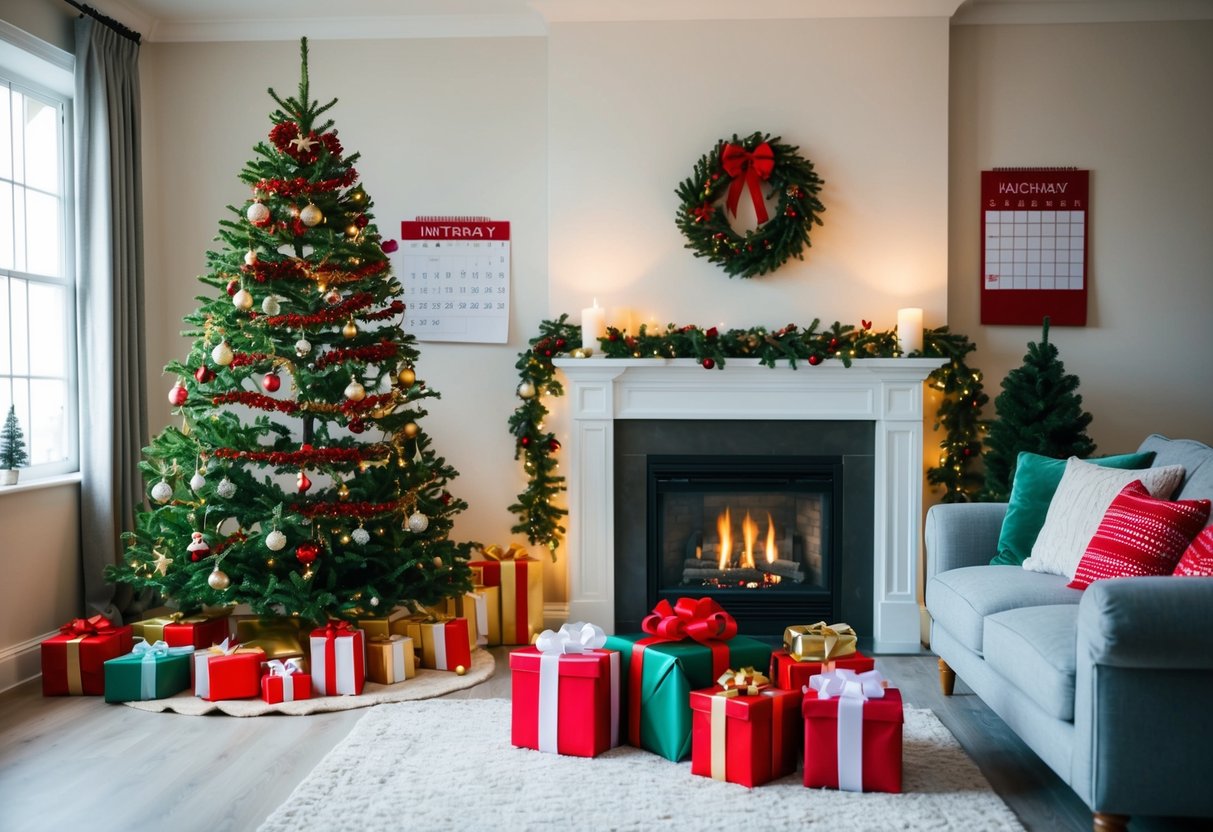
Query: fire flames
x,y
749,543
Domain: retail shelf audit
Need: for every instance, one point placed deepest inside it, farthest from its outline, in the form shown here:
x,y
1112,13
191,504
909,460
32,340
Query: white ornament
x,y
361,536
270,305
257,212
311,215
197,482
222,354
418,522
250,258
226,489
303,347
355,392
526,390
162,492
374,602
218,579
243,300
275,541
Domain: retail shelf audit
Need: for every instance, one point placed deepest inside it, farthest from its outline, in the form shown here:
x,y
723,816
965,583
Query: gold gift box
x,y
519,578
386,625
279,636
482,608
390,659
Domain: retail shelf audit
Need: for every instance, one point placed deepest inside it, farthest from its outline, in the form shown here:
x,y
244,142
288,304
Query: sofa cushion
x,y
1034,648
1078,506
1195,457
960,599
1197,559
1140,536
1036,478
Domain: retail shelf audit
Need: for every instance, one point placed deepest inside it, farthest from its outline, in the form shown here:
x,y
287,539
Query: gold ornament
x,y
411,430
343,493
218,580
437,563
406,376
526,390
311,215
355,392
460,670
350,329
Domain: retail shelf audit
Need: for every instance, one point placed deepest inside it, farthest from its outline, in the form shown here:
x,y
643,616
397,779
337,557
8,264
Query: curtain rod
x,y
129,34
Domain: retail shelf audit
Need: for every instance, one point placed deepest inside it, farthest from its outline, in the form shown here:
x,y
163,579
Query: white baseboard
x,y
21,662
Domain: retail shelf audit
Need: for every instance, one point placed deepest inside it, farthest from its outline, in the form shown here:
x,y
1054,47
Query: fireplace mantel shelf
x,y
885,391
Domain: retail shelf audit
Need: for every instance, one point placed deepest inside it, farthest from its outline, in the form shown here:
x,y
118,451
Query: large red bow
x,y
94,626
747,168
335,628
699,619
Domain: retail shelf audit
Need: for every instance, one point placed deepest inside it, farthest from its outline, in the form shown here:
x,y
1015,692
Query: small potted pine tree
x,y
12,448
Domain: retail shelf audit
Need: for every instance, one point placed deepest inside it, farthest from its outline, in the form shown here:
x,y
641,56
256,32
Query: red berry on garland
x,y
357,425
306,553
361,221
445,498
553,445
547,353
271,382
968,452
233,287
814,360
561,343
708,363
178,394
203,374
613,336
833,343
525,441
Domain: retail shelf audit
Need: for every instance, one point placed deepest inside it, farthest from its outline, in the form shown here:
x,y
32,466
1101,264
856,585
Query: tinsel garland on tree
x,y
959,412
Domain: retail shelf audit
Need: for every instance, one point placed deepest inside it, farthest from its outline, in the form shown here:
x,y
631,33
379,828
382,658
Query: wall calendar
x,y
456,275
1035,227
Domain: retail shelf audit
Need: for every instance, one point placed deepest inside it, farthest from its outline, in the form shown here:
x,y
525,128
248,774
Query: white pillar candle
x,y
909,329
593,326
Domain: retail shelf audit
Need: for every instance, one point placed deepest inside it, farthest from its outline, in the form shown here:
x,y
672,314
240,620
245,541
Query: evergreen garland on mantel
x,y
959,411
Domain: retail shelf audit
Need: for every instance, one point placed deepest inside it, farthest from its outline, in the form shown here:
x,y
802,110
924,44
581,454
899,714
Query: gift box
x,y
520,579
228,670
394,623
566,693
819,642
683,648
852,733
482,608
444,644
73,662
732,735
285,681
279,637
389,659
152,670
179,630
338,660
788,674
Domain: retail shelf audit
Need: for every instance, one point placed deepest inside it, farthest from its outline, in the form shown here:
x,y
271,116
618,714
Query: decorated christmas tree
x,y
300,481
1037,411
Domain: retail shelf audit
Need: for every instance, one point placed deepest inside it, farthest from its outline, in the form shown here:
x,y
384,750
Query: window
x,y
37,283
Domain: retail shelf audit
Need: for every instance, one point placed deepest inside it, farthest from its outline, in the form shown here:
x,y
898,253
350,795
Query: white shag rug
x,y
425,685
448,764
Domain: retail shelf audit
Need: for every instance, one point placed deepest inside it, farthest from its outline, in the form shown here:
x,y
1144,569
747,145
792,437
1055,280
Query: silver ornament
x,y
303,347
250,258
418,522
355,392
226,489
374,602
275,541
219,580
257,212
243,300
270,305
526,390
311,215
361,536
197,482
162,492
222,354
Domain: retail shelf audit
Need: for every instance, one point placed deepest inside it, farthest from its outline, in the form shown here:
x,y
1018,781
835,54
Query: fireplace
x,y
758,534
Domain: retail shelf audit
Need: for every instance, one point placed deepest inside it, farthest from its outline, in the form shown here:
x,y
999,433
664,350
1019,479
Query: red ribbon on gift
x,y
702,620
85,627
331,631
748,168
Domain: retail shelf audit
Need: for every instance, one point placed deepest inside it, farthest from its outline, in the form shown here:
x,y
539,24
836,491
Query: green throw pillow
x,y
1036,478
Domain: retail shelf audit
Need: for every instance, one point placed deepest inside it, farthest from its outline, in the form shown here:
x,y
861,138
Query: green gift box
x,y
659,719
150,671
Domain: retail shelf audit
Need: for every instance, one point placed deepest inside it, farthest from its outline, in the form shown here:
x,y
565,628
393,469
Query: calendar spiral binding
x,y
450,219
1045,169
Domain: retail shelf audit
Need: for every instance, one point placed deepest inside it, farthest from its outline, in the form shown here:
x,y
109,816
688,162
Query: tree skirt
x,y
448,764
426,684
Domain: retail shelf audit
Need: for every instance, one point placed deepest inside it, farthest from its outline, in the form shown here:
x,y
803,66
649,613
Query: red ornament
x,y
524,441
814,360
233,287
445,498
553,445
304,483
866,324
833,343
306,553
203,374
361,221
389,246
561,343
711,332
708,363
178,395
271,382
357,425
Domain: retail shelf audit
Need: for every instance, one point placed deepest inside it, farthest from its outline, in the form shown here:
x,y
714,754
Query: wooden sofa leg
x,y
947,678
1104,822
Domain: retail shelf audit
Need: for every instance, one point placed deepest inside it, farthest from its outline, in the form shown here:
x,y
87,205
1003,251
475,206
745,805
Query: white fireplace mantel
x,y
886,391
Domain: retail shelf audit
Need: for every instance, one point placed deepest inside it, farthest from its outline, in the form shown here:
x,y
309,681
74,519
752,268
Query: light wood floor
x,y
75,763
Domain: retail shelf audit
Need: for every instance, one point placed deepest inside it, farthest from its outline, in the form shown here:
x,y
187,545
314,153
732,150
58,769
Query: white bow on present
x,y
852,690
278,667
572,639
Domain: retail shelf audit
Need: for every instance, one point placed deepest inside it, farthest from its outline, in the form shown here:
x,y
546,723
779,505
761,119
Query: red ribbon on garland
x,y
747,169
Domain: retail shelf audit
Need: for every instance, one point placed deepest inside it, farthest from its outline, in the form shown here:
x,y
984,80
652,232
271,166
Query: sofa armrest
x,y
1156,622
962,534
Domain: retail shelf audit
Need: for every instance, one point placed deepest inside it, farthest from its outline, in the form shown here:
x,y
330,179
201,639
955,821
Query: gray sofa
x,y
1111,687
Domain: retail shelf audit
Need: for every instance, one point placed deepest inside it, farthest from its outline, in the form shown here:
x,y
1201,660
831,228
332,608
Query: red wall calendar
x,y
1034,254
456,274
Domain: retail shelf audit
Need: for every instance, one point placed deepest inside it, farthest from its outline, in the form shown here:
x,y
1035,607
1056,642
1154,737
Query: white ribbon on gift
x,y
202,670
278,667
571,639
482,617
439,632
147,666
852,690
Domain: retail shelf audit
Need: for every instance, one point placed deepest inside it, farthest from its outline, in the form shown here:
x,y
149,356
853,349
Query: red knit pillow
x,y
1140,535
1197,560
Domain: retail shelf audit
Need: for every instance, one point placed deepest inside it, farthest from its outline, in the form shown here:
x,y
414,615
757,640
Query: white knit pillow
x,y
1081,499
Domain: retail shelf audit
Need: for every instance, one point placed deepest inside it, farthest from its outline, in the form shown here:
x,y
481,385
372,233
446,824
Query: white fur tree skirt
x,y
448,764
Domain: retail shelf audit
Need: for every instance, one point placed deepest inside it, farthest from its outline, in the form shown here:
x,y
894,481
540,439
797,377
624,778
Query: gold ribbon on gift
x,y
819,642
512,552
744,682
75,685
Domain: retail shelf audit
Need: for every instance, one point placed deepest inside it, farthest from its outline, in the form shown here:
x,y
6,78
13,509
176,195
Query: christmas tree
x,y
300,481
1037,411
12,442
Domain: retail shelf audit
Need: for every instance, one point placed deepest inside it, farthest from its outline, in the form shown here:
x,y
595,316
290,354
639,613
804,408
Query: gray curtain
x,y
109,298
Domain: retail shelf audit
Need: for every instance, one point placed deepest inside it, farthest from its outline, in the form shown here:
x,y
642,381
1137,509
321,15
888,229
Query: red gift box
x,y
565,702
521,581
852,743
787,728
228,671
444,644
198,631
789,674
285,681
73,662
339,659
743,731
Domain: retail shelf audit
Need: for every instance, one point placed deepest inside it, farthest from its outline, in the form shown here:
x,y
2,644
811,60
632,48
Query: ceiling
x,y
241,20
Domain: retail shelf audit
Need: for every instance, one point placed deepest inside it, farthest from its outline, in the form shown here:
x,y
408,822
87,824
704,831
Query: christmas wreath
x,y
721,178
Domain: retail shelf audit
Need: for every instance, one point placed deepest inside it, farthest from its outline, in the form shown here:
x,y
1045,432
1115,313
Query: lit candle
x,y
909,329
593,326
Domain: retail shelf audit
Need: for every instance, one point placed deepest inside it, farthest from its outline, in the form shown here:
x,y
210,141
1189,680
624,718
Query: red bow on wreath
x,y
747,168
